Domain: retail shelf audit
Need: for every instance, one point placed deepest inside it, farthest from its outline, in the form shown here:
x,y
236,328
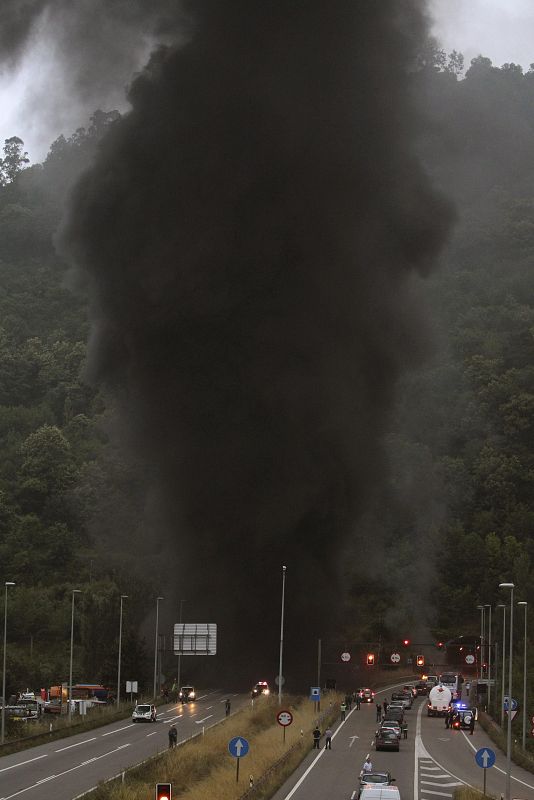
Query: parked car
x,y
144,713
380,793
392,725
374,779
387,739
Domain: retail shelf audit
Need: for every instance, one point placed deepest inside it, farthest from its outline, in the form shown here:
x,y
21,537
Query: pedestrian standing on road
x,y
348,701
378,712
173,736
404,730
385,705
343,711
227,707
328,739
472,725
358,701
367,765
316,738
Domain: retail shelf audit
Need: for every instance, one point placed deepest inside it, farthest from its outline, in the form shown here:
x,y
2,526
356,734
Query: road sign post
x,y
284,718
238,747
485,758
395,658
345,657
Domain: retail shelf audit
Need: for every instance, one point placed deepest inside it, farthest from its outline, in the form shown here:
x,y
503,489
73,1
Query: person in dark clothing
x,y
404,730
358,701
378,712
348,701
227,707
472,725
316,738
385,705
173,736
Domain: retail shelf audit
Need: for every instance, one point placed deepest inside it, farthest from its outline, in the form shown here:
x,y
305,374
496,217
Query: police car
x,y
462,715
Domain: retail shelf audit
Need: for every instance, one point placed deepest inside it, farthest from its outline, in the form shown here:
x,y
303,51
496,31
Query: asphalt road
x,y
430,764
66,768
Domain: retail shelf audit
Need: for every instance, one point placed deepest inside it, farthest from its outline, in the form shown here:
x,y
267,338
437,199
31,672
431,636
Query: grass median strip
x,y
204,768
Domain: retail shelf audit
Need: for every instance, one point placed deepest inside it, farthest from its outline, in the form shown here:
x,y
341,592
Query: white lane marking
x,y
75,745
422,754
151,734
353,795
429,769
502,771
442,775
200,721
60,774
208,708
442,794
21,763
44,780
443,785
119,729
173,718
352,738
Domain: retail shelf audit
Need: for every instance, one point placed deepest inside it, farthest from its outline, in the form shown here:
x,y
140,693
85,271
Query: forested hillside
x,y
457,512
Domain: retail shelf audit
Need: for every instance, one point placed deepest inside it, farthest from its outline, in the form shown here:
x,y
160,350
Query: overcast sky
x,y
33,104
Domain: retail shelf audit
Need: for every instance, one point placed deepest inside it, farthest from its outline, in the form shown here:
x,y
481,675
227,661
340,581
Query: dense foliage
x,y
456,514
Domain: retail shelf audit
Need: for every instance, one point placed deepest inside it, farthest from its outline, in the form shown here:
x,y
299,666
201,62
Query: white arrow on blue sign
x,y
238,747
485,757
505,703
315,693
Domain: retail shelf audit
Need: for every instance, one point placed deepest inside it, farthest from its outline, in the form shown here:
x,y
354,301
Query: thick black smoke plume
x,y
249,231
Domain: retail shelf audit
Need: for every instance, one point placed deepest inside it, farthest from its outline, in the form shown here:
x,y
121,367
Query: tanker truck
x,y
439,701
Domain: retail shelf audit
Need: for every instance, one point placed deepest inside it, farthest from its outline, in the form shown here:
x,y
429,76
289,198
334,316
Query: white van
x,y
380,793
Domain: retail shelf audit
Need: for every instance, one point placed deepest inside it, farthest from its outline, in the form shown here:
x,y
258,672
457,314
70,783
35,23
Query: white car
x,y
144,713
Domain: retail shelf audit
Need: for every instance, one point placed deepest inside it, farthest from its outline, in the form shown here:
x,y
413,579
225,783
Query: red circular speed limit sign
x,y
284,718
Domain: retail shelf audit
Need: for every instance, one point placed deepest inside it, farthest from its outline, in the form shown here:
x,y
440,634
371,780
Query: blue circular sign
x,y
238,747
485,757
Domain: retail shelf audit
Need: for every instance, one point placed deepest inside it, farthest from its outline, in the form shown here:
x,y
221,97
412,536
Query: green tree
x,y
14,160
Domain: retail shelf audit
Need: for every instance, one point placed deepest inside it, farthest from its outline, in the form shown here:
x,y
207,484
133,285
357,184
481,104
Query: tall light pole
x,y
74,592
502,605
509,736
123,597
179,675
7,584
280,675
156,647
525,605
490,643
481,650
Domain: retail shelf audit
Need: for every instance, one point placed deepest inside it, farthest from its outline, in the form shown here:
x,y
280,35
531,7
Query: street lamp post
x,y
74,592
7,584
525,605
503,606
123,597
509,736
280,677
490,643
156,647
481,648
180,645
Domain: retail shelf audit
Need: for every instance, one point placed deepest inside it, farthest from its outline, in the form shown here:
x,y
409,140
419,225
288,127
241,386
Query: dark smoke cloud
x,y
249,232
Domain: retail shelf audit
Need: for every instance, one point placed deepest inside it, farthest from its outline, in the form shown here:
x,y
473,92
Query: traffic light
x,y
406,642
420,661
439,645
370,659
163,791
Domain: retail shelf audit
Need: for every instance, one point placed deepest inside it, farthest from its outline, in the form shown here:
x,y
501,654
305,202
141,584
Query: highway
x,y
66,768
431,763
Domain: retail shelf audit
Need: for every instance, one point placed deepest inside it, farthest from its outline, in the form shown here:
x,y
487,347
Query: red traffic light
x,y
163,791
420,661
370,659
406,642
439,645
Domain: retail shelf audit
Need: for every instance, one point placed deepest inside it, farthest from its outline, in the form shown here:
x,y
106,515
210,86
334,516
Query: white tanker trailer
x,y
439,701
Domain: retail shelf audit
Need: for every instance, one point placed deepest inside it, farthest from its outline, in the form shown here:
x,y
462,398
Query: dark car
x,y
462,717
395,713
375,779
386,739
421,687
